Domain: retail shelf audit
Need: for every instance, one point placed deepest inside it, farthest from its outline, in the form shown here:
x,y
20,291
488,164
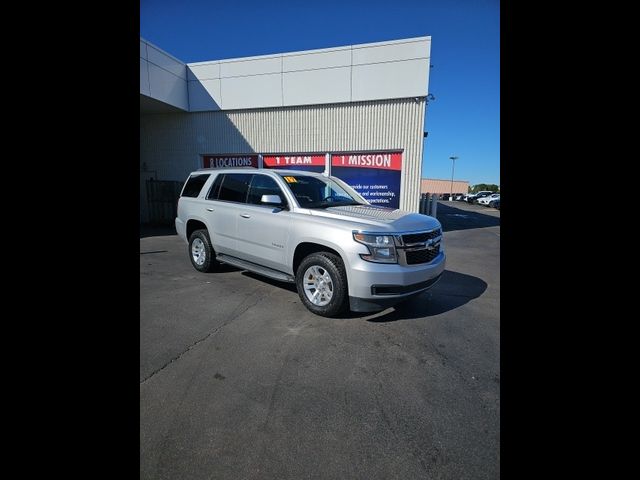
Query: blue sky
x,y
464,118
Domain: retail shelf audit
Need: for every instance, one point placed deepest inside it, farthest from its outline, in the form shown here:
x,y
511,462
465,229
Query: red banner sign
x,y
382,160
229,161
286,161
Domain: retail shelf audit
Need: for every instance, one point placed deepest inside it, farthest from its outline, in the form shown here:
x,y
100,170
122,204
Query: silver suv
x,y
312,230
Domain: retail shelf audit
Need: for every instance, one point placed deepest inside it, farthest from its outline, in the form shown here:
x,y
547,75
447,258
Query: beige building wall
x,y
432,185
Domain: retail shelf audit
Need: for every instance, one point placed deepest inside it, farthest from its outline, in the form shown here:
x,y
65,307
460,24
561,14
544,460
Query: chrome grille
x,y
422,256
421,237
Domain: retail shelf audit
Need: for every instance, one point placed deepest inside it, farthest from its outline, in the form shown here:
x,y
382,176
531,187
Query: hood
x,y
382,218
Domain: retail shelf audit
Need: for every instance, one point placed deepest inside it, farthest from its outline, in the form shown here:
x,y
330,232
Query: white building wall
x,y
162,76
372,71
171,144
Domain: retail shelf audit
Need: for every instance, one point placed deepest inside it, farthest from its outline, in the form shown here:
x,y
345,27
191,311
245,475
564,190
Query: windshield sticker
x,y
290,179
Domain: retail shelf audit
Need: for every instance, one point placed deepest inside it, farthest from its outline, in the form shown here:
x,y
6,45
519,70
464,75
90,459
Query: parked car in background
x,y
495,203
446,196
472,197
480,195
488,198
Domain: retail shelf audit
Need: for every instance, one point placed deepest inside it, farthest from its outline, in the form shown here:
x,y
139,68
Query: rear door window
x,y
214,191
235,187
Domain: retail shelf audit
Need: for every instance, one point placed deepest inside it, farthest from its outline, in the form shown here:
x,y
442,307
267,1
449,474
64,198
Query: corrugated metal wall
x,y
171,144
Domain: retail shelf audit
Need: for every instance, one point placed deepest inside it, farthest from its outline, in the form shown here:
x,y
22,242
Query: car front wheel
x,y
322,284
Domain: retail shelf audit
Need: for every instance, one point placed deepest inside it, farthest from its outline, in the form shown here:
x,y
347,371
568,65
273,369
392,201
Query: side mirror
x,y
271,199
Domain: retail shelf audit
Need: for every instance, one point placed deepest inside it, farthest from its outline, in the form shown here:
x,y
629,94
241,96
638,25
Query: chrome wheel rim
x,y
198,252
318,285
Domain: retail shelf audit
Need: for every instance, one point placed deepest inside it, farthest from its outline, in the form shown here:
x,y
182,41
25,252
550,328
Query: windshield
x,y
321,192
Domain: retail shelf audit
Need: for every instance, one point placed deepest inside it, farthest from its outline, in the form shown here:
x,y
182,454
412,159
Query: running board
x,y
252,267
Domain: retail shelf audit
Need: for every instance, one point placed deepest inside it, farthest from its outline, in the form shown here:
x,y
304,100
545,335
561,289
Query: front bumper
x,y
375,286
376,304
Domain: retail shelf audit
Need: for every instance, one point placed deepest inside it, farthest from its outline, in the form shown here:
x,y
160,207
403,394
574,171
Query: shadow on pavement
x,y
453,218
452,291
147,230
276,283
225,268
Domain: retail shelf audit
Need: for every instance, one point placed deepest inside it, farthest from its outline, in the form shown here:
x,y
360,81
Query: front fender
x,y
337,239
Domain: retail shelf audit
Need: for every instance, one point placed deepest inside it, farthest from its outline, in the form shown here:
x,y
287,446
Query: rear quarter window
x,y
194,185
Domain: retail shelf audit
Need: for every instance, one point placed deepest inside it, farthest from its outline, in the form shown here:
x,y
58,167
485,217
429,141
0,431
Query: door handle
x,y
245,215
209,209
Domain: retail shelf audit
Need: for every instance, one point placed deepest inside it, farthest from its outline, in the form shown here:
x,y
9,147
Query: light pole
x,y
453,166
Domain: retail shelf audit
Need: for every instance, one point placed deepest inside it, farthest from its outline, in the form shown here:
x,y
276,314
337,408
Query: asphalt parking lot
x,y
239,381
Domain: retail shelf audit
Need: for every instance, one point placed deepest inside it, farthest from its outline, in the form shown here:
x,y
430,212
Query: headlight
x,y
381,248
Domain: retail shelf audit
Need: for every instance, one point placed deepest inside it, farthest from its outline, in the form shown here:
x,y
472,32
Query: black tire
x,y
331,265
209,262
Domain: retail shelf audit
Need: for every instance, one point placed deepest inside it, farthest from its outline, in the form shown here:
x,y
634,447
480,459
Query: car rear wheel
x,y
201,253
322,284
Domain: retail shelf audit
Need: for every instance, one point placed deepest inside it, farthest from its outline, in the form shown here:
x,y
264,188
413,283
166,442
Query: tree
x,y
485,186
